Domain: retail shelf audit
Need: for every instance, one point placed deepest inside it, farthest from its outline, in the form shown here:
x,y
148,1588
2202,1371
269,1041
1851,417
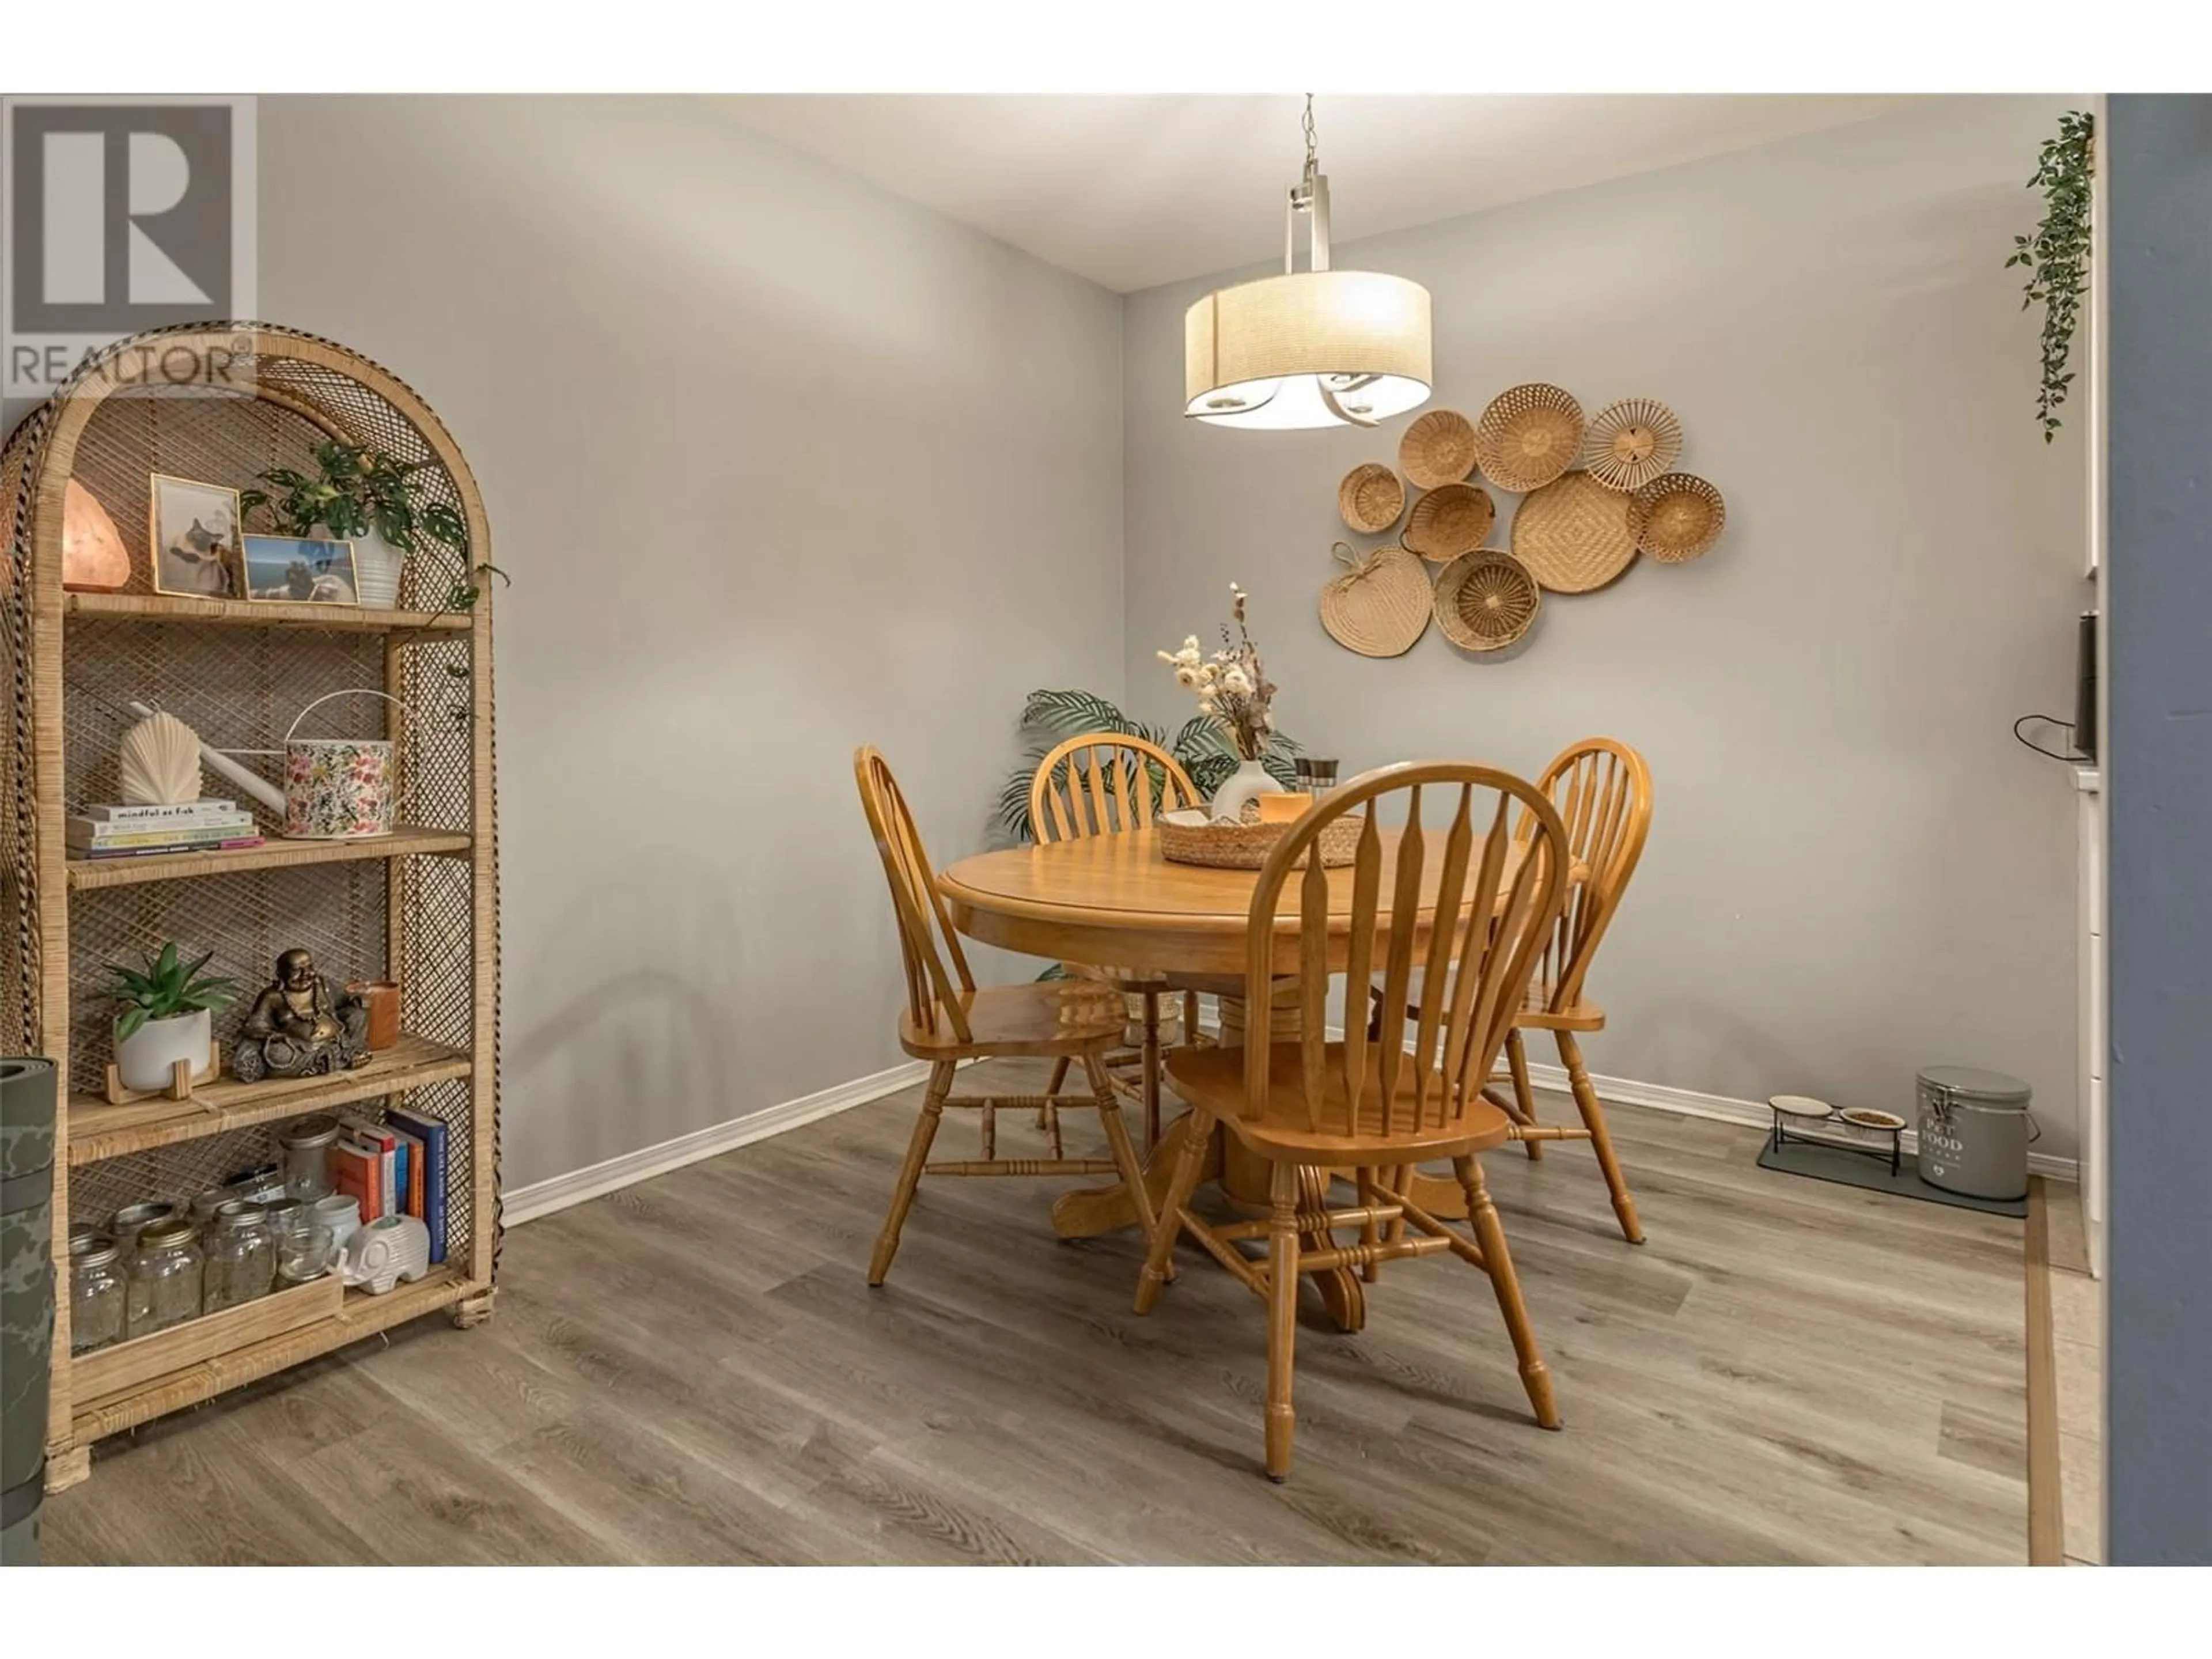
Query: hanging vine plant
x,y
2056,257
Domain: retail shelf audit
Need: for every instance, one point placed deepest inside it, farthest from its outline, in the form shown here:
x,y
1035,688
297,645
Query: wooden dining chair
x,y
948,1020
1602,789
1474,930
1103,783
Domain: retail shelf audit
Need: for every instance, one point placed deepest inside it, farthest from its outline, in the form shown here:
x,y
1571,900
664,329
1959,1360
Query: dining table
x,y
1116,901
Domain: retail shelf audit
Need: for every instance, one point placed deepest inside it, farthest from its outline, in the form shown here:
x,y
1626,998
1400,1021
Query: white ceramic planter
x,y
144,1059
1248,781
376,568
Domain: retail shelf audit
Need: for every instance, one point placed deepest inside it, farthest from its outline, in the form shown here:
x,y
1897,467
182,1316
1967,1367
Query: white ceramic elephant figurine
x,y
384,1251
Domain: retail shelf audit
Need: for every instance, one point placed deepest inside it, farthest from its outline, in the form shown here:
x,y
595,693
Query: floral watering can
x,y
339,788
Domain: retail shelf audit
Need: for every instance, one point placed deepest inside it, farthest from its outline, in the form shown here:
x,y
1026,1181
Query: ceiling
x,y
1133,192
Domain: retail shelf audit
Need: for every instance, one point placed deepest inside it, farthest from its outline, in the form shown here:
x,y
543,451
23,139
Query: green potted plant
x,y
2056,257
364,496
164,1005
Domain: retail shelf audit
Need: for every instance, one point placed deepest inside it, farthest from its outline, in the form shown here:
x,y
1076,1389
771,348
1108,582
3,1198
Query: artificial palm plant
x,y
1201,747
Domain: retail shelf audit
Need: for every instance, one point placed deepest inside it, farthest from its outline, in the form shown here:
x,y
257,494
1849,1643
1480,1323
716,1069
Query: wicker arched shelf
x,y
220,403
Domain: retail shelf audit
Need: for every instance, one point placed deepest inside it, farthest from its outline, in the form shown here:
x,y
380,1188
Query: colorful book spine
x,y
180,813
432,1133
357,1172
165,847
83,832
411,1156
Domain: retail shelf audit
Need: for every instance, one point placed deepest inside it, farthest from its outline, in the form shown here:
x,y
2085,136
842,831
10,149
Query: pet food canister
x,y
1974,1132
340,788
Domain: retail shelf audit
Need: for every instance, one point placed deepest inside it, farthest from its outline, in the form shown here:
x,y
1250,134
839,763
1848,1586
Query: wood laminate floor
x,y
693,1371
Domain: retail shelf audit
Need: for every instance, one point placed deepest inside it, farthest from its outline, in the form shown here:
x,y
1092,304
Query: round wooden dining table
x,y
1115,901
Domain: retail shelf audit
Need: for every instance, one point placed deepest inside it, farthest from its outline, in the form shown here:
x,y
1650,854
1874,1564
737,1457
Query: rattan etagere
x,y
221,403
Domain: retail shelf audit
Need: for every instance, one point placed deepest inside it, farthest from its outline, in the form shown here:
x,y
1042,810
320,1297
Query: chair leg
x,y
1152,1065
909,1177
1517,1058
1190,1163
1117,1142
1190,1019
1570,1056
1490,1235
1282,1313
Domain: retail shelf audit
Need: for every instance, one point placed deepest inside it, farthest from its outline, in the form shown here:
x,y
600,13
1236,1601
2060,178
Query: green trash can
x,y
26,1299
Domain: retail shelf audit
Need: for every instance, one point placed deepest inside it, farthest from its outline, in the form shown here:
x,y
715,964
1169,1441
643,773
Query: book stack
x,y
394,1166
193,826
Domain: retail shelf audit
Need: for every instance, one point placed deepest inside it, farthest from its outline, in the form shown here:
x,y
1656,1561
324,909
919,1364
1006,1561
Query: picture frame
x,y
192,532
299,570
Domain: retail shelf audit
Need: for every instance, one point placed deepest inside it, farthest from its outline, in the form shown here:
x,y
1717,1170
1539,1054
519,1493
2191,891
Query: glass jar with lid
x,y
165,1280
240,1254
127,1223
308,1144
97,1299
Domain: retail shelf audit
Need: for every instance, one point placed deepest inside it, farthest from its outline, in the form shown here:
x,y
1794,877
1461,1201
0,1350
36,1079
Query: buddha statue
x,y
301,1025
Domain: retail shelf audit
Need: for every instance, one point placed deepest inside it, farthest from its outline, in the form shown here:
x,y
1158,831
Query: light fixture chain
x,y
1311,162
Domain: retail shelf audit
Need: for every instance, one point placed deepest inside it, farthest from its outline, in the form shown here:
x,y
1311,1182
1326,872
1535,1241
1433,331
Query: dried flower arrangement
x,y
1232,688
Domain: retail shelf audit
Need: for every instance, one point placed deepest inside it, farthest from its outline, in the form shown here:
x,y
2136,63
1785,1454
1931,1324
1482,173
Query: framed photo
x,y
195,529
298,570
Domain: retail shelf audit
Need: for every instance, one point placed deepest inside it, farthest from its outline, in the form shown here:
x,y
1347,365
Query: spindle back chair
x,y
1601,788
1102,783
947,1019
1391,1097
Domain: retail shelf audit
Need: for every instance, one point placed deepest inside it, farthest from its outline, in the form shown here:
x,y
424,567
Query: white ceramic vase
x,y
143,1059
1247,782
376,567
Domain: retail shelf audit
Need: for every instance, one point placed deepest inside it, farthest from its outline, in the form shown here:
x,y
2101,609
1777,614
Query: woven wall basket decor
x,y
1682,517
1575,535
1632,442
1437,449
1529,437
1486,599
1380,607
1371,498
1448,521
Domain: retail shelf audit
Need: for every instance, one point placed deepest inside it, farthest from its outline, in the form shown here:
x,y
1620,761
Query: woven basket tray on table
x,y
1246,846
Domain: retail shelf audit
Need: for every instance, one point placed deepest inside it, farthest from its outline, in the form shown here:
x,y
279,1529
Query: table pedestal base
x,y
1243,1177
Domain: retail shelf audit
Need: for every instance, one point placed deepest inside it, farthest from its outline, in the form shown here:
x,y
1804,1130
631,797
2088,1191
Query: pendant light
x,y
1311,348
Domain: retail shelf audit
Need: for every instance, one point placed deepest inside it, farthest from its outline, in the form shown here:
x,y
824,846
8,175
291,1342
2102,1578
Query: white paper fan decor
x,y
158,762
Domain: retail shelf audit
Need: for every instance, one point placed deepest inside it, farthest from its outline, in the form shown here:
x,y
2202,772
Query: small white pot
x,y
143,1059
376,568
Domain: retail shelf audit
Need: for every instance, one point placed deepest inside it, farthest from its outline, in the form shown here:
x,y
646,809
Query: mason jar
x,y
164,1279
97,1296
240,1255
306,1146
127,1223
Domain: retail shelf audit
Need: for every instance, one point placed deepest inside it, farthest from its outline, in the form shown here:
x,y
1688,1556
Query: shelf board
x,y
85,874
359,1315
261,613
98,1130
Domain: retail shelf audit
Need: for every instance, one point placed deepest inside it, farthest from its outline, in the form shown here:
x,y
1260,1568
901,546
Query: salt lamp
x,y
94,558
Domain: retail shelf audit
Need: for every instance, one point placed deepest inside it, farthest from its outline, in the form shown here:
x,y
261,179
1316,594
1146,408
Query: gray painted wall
x,y
2158,154
1854,871
781,465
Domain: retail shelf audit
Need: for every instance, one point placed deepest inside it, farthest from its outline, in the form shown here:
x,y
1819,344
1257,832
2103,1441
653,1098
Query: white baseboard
x,y
543,1197
1753,1114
